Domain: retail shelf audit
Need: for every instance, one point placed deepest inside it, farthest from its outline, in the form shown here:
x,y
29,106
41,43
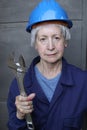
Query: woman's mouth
x,y
53,54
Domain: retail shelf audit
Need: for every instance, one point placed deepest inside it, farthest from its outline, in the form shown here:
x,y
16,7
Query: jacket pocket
x,y
73,123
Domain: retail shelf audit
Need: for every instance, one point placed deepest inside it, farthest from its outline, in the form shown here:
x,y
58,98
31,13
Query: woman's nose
x,y
50,44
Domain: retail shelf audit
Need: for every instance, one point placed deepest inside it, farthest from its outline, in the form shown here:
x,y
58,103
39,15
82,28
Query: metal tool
x,y
19,69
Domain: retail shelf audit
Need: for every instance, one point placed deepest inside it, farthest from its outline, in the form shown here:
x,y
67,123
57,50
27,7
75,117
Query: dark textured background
x,y
13,37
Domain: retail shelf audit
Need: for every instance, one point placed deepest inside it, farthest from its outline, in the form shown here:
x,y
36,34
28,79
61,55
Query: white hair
x,y
65,32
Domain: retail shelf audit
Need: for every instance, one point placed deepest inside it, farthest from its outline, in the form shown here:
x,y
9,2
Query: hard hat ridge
x,y
48,10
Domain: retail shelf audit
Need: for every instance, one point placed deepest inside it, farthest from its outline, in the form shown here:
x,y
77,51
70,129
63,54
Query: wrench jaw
x,y
19,69
18,66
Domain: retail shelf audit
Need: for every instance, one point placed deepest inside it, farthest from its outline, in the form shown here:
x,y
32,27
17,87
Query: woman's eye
x,y
57,38
42,39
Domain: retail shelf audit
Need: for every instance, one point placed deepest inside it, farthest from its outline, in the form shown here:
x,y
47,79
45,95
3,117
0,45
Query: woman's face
x,y
50,43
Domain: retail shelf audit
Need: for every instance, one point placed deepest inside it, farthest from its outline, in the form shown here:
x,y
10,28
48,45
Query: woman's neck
x,y
50,70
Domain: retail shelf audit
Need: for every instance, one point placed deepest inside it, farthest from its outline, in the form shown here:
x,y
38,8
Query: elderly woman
x,y
56,91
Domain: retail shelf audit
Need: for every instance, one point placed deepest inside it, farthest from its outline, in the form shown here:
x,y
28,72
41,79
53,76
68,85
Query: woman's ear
x,y
66,44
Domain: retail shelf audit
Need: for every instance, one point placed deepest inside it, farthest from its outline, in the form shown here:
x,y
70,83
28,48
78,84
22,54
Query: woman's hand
x,y
24,105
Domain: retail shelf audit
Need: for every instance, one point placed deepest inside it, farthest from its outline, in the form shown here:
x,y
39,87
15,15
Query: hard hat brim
x,y
67,23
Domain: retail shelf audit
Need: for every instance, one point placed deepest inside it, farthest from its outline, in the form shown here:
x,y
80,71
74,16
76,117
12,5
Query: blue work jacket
x,y
67,107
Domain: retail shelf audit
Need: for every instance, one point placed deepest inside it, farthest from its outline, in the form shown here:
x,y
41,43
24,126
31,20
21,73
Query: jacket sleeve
x,y
13,122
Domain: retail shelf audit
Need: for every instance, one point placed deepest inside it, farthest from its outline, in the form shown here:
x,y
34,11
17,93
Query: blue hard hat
x,y
48,10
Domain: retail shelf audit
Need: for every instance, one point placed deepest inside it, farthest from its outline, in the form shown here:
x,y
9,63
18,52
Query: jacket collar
x,y
66,76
